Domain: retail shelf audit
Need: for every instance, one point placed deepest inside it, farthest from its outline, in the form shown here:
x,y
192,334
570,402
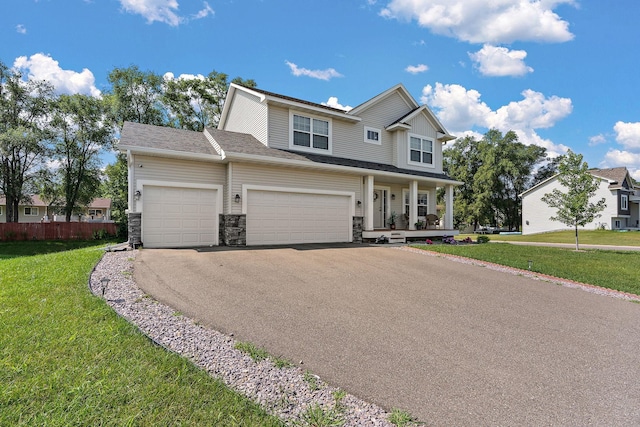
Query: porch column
x,y
413,204
368,203
433,201
448,217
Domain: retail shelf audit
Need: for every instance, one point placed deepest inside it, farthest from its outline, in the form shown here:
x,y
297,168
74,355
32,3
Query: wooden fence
x,y
56,230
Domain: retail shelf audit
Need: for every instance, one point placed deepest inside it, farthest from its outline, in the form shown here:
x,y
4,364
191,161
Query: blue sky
x,y
564,74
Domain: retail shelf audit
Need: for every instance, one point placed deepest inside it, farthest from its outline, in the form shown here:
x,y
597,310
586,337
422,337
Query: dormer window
x,y
310,133
420,150
372,135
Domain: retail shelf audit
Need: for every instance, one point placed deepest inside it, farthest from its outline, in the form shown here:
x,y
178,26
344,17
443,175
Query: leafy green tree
x,y
24,106
81,133
115,187
197,102
546,171
574,207
495,171
135,96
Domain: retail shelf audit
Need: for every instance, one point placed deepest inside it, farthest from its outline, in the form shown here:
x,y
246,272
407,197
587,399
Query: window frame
x,y
368,129
624,202
422,138
32,209
1,210
406,202
311,148
96,212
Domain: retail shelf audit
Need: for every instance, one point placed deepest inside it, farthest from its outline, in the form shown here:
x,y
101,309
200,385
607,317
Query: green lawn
x,y
610,269
67,359
587,237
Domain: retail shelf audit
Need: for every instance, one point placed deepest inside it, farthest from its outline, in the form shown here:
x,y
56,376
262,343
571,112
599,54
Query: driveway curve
x,y
452,344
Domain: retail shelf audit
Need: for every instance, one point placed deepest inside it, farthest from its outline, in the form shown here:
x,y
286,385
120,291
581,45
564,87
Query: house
x,y
621,195
37,211
280,170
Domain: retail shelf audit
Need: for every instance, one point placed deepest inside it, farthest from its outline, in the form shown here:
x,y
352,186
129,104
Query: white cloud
x,y
481,21
628,134
21,29
500,61
597,140
154,10
44,67
327,74
415,69
333,102
204,12
460,110
617,158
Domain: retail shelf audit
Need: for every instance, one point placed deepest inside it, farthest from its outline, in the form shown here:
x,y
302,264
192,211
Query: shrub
x,y
483,239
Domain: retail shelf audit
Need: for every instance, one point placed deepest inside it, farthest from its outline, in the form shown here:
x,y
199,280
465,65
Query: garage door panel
x,y
179,217
287,217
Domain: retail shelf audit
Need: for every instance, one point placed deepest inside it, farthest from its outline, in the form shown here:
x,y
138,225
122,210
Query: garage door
x,y
282,218
179,217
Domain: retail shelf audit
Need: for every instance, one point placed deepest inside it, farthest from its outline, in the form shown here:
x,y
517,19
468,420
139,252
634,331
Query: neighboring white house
x,y
280,170
615,186
38,211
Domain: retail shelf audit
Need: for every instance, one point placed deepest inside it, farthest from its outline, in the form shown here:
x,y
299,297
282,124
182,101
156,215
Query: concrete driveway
x,y
453,344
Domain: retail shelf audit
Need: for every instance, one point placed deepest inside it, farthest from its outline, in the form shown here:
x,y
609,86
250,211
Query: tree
x,y
546,171
23,108
574,207
197,102
80,135
115,187
495,171
135,96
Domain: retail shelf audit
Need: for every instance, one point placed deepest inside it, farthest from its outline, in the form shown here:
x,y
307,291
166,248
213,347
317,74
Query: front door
x,y
379,208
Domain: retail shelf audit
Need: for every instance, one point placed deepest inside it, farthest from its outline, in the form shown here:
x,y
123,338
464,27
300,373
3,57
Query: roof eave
x,y
158,152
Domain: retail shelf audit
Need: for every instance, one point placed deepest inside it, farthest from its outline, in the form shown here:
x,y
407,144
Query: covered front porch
x,y
403,210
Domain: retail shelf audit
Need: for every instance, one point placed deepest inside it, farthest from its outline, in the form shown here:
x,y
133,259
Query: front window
x,y
30,211
95,212
310,132
624,202
420,150
423,203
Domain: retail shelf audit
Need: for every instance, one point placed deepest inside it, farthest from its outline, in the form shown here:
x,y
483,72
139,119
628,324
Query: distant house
x,y
38,211
621,196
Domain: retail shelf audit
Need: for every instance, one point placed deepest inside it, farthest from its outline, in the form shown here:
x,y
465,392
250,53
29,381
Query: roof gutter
x,y
169,153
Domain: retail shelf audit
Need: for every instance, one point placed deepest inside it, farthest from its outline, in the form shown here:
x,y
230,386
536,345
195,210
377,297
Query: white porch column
x,y
448,217
413,204
433,201
368,203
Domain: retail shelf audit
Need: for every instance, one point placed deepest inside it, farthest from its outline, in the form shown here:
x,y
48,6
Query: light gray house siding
x,y
248,115
167,170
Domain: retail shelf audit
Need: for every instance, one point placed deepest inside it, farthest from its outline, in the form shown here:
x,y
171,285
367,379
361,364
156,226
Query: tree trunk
x,y
577,247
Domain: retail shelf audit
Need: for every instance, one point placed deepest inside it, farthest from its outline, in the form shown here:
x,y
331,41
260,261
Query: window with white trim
x,y
310,133
372,135
624,202
95,212
420,150
30,211
1,211
423,203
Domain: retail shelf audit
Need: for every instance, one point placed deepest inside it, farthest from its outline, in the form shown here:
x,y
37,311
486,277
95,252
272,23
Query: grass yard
x,y
610,269
67,359
586,237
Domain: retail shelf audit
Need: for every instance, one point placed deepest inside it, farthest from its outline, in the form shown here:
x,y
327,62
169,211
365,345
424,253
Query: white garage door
x,y
175,217
281,218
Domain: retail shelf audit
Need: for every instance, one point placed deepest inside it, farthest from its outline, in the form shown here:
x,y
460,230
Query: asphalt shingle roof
x,y
165,138
617,175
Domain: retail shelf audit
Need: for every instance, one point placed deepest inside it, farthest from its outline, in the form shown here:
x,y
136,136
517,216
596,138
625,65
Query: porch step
x,y
397,237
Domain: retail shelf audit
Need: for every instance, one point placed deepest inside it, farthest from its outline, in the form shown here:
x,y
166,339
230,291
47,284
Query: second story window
x,y
624,202
372,135
311,133
420,150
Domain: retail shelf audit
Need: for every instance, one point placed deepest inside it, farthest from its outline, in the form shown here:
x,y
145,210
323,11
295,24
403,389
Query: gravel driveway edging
x,y
282,392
